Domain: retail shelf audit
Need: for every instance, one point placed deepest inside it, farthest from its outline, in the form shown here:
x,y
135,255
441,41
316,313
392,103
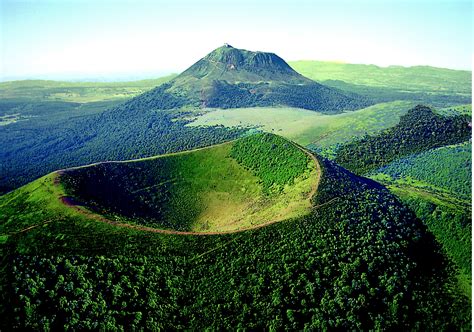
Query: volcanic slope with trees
x,y
232,78
357,259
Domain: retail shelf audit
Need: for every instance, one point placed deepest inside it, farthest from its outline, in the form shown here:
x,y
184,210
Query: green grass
x,y
308,127
456,110
201,190
38,202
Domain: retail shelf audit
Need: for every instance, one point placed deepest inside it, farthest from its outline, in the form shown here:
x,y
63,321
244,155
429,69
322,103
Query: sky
x,y
76,39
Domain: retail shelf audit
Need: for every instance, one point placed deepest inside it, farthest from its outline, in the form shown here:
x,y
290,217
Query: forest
x,y
375,268
59,142
451,164
419,130
443,201
314,97
273,159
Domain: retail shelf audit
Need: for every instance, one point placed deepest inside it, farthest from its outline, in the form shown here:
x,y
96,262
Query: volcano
x,y
229,77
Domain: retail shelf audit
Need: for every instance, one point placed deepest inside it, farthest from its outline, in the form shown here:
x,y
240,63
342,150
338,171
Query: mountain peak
x,y
228,62
230,77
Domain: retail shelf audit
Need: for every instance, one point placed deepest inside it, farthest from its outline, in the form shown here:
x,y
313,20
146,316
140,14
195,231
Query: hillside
x,y
419,130
358,260
221,188
442,201
231,78
35,149
426,161
438,87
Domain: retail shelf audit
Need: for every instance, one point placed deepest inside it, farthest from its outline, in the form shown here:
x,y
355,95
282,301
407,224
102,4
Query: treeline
x,y
360,261
158,98
274,160
419,130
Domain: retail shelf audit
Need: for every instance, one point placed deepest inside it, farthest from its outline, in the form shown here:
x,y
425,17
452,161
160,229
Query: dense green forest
x,y
31,150
360,260
311,96
419,130
436,185
272,158
451,164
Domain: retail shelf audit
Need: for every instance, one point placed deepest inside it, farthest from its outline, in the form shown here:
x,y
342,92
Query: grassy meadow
x,y
308,127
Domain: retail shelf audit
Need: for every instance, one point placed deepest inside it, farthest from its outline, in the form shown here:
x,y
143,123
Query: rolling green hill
x,y
427,85
358,260
416,78
213,189
451,164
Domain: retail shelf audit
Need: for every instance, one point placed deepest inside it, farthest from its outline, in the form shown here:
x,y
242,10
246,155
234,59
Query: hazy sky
x,y
83,38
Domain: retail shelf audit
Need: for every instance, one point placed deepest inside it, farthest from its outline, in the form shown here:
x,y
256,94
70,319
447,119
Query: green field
x,y
308,127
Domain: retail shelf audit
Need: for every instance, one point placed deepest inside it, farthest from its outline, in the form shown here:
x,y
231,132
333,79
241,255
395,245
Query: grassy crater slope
x,y
254,180
358,261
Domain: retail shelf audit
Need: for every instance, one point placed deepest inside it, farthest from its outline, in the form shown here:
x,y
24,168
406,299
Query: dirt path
x,y
314,189
84,211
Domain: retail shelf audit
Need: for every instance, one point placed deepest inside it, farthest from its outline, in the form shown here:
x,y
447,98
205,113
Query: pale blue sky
x,y
83,38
